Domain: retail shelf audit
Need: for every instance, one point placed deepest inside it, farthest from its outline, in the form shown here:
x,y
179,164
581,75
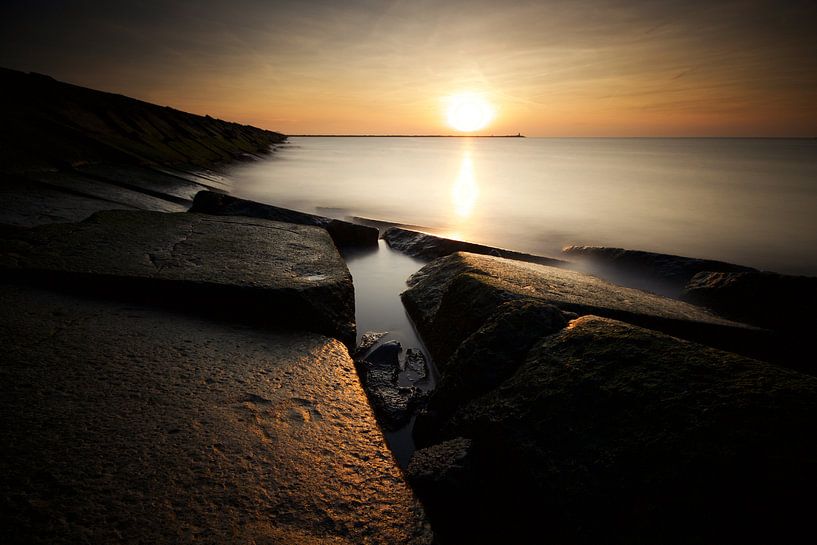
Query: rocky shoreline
x,y
193,376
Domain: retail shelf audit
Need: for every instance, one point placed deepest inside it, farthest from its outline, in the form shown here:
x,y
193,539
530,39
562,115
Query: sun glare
x,y
468,112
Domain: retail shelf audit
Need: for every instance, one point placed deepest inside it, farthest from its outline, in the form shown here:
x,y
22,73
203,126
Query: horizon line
x,y
756,137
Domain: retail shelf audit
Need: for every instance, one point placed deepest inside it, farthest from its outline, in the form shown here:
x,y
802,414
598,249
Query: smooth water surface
x,y
748,201
379,276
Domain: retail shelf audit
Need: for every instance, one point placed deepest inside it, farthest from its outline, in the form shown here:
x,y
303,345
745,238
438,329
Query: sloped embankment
x,y
68,151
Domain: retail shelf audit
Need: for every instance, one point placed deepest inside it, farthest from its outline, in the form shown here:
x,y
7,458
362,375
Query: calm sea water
x,y
748,201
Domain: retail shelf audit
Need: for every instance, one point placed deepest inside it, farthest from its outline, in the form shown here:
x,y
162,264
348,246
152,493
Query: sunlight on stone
x,y
465,192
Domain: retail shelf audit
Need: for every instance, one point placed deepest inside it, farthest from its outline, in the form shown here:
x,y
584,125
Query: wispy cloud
x,y
379,65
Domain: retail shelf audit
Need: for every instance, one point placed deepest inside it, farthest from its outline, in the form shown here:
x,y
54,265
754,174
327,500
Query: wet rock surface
x,y
367,341
611,433
416,366
662,273
123,423
260,271
343,233
394,401
426,246
450,298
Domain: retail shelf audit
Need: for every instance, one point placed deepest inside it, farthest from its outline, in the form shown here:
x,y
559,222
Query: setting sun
x,y
468,112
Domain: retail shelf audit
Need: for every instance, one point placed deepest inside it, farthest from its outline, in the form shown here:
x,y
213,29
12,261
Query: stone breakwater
x,y
169,376
574,410
189,361
173,376
180,377
68,151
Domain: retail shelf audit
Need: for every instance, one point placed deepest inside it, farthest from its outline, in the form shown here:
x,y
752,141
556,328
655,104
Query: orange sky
x,y
592,68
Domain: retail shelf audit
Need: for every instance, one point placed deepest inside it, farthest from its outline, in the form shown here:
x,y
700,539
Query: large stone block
x,y
451,297
343,233
244,269
122,423
611,433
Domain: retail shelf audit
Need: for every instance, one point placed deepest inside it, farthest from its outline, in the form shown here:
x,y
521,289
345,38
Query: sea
x,y
747,201
750,201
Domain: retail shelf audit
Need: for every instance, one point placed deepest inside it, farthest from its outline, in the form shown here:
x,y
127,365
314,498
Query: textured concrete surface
x,y
124,424
259,270
451,297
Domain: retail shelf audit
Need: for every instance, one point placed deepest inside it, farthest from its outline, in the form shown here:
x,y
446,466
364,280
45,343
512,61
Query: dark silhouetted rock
x,y
342,232
394,401
367,341
662,273
239,268
430,247
416,365
443,476
783,303
610,433
393,404
386,354
767,299
122,423
486,358
450,298
445,462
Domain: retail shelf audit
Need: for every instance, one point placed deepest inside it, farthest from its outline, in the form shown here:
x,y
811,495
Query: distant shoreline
x,y
552,137
408,135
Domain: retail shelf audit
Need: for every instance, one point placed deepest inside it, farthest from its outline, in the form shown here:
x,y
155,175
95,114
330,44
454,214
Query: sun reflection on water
x,y
465,192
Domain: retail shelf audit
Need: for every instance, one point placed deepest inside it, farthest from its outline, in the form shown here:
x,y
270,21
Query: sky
x,y
548,68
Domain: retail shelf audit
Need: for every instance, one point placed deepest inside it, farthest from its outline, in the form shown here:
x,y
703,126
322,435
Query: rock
x,y
367,341
450,298
430,247
393,404
257,271
782,303
441,463
122,422
610,433
342,232
443,475
776,301
386,354
416,365
487,358
662,273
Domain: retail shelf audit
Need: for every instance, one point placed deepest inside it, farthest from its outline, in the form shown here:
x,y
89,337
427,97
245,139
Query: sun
x,y
468,112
